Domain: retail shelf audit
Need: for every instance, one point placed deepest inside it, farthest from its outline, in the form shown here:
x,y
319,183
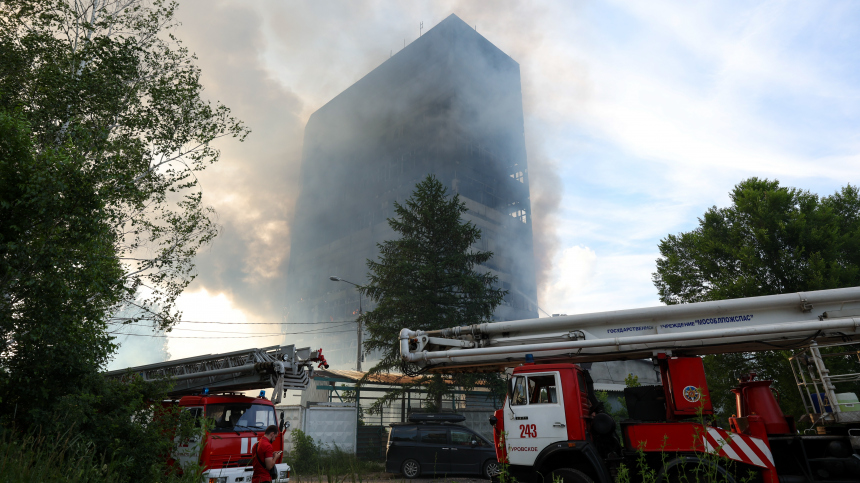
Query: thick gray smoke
x,y
450,105
254,186
275,63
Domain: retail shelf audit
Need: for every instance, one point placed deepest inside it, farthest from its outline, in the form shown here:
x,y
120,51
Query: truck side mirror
x,y
510,388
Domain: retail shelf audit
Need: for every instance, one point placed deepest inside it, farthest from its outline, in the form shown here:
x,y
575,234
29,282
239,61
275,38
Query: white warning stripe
x,y
722,444
728,443
745,449
764,449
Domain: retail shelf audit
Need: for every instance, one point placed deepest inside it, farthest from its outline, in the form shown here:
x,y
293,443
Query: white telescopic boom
x,y
751,324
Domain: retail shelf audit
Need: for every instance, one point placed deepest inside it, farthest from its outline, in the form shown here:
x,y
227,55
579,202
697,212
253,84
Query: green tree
x,y
426,280
771,240
102,89
103,128
58,272
106,80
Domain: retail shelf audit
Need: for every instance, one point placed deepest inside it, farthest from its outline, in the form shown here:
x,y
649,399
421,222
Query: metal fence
x,y
326,421
372,442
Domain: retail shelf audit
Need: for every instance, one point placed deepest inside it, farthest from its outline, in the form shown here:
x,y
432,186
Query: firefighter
x,y
265,456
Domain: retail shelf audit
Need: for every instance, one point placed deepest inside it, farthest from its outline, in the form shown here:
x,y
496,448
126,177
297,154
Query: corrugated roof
x,y
609,387
355,376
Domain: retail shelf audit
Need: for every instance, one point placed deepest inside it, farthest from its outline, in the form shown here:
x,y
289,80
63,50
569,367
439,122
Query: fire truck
x,y
211,387
552,426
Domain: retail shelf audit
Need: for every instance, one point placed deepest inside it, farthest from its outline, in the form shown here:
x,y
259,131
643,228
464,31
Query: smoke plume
x,y
275,63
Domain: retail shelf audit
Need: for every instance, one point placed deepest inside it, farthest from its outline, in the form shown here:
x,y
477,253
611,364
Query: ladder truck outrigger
x,y
209,387
552,426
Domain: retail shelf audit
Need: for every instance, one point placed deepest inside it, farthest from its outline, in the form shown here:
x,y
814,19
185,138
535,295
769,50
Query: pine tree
x,y
426,280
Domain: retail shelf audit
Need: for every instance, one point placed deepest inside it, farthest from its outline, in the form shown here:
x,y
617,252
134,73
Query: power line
x,y
221,332
199,337
117,320
119,332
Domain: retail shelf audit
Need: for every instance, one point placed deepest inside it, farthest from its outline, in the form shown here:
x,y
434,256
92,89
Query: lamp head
x,y
334,279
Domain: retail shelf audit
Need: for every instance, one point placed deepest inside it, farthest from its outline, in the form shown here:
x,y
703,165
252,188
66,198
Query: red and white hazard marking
x,y
739,447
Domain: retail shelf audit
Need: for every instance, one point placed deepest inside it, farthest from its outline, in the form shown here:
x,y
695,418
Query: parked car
x,y
433,444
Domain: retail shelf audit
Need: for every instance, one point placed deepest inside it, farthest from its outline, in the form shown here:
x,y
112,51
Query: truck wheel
x,y
491,468
411,469
570,475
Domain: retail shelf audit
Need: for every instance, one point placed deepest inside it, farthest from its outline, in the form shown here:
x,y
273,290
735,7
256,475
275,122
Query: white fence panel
x,y
478,420
331,426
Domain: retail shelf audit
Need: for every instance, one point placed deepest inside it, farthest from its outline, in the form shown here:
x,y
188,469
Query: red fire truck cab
x,y
236,423
552,426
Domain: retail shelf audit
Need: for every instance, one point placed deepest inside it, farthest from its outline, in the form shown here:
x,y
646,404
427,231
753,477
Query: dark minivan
x,y
431,444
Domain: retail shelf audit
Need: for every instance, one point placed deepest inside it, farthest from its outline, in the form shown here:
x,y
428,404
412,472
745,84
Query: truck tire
x,y
570,475
490,469
411,469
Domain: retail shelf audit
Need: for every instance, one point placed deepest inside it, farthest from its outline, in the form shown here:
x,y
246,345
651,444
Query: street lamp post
x,y
358,322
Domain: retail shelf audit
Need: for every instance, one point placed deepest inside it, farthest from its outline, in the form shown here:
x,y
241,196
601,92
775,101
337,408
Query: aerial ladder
x,y
210,386
552,426
277,367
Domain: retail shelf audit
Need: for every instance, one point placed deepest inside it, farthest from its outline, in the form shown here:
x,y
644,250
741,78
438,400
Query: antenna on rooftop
x,y
420,28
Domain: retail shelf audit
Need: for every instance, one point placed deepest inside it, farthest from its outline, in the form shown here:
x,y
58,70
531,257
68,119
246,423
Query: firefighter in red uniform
x,y
265,455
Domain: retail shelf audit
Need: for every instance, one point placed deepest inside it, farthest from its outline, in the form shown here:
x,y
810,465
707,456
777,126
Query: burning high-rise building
x,y
448,104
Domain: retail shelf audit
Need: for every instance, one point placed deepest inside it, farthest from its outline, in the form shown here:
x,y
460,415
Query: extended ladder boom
x,y
279,367
784,321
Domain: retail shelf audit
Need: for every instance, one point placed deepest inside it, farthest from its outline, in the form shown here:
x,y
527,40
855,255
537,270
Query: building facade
x,y
449,104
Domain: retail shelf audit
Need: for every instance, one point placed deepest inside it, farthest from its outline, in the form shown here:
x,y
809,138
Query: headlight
x,y
222,479
284,474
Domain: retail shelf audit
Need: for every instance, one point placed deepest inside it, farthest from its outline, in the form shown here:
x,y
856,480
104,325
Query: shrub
x,y
305,453
67,457
310,459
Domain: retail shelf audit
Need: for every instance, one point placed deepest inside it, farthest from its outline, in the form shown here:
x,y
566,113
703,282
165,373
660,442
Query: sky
x,y
639,116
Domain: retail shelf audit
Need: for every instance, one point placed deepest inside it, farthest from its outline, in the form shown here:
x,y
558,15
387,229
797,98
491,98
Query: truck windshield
x,y
240,416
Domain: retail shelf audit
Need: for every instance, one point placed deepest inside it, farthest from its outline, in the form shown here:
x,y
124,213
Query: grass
x,y
26,458
697,466
309,461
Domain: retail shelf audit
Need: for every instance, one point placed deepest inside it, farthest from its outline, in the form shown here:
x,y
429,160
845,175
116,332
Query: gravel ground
x,y
391,478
